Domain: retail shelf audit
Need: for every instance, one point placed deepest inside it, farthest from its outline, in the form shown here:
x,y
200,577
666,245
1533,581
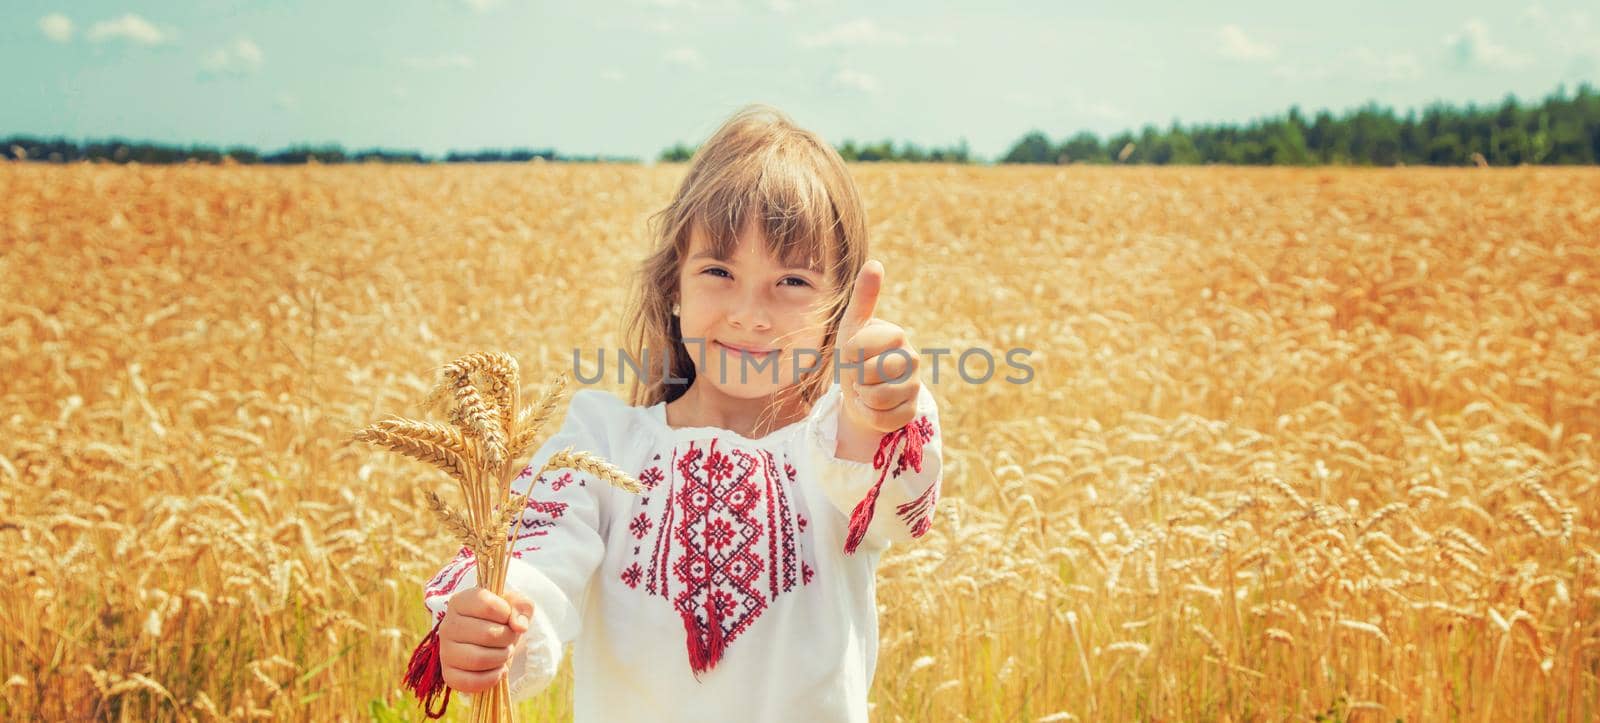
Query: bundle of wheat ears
x,y
481,448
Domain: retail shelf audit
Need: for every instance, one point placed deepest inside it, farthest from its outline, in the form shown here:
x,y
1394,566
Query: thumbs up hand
x,y
881,395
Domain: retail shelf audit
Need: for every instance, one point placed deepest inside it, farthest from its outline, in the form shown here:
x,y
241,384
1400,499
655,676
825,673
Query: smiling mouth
x,y
740,350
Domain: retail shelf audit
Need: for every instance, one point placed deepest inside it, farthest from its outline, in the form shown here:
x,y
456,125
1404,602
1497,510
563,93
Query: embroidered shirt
x,y
723,591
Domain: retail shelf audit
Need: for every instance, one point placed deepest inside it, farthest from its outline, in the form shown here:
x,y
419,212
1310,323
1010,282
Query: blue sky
x,y
632,77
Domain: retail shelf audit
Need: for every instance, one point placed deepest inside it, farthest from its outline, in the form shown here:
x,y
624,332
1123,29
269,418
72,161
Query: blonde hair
x,y
759,169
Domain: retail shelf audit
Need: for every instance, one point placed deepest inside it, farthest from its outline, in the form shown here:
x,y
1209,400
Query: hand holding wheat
x,y
478,637
480,449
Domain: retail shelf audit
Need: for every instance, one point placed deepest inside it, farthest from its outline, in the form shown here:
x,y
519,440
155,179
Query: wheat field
x,y
1300,444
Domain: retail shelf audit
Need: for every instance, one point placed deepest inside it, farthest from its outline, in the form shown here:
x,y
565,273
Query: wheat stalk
x,y
473,413
479,394
1298,342
500,383
531,420
452,520
439,446
584,462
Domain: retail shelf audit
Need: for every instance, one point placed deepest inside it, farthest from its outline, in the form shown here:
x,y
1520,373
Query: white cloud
x,y
1072,104
457,61
128,27
241,57
855,80
612,74
56,27
694,6
1389,67
786,7
1235,44
686,57
1571,35
1362,64
286,101
862,31
1100,109
1535,14
1028,101
1302,72
481,6
1473,48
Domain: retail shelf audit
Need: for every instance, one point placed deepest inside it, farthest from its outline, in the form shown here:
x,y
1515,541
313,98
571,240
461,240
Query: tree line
x,y
62,150
1560,129
866,152
1563,129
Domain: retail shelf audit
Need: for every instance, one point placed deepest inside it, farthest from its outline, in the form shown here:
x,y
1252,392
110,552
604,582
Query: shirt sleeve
x,y
557,545
892,499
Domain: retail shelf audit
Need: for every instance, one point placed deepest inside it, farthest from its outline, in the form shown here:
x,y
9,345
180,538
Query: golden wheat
x,y
1407,353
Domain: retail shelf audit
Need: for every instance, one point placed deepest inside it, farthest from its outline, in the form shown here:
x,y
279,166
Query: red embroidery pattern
x,y
914,435
552,509
447,579
537,519
538,516
918,513
725,546
640,526
562,481
781,523
631,575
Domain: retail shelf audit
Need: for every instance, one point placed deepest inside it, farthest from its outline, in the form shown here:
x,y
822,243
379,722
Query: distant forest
x,y
1561,129
116,150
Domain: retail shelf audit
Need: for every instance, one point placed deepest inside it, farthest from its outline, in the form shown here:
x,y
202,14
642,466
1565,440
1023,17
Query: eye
x,y
802,282
715,271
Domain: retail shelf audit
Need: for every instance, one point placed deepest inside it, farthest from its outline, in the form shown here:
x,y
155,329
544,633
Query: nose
x,y
750,312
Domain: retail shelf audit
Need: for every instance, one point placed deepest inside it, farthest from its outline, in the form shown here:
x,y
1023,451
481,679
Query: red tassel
x,y
705,646
916,434
696,643
714,643
861,516
425,675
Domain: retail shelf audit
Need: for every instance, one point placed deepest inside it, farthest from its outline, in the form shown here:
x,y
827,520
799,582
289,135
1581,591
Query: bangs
x,y
779,194
761,174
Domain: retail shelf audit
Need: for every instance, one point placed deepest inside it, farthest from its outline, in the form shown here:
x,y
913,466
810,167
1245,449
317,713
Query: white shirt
x,y
751,531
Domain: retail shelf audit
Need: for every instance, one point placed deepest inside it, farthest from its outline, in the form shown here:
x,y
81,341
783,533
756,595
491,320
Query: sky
x,y
632,77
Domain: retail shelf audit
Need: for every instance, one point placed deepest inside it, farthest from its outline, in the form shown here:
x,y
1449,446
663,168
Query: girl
x,y
740,584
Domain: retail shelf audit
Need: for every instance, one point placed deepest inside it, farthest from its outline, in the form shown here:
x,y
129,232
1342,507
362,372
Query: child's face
x,y
752,301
